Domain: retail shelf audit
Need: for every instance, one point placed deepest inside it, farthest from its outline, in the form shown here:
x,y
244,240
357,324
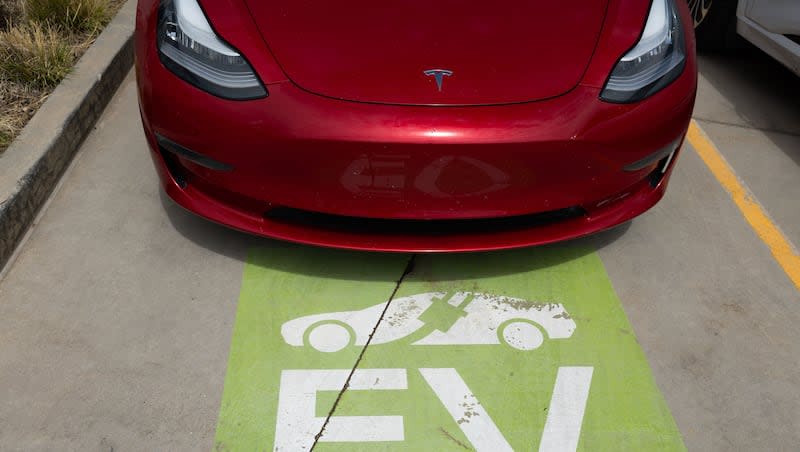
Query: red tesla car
x,y
416,125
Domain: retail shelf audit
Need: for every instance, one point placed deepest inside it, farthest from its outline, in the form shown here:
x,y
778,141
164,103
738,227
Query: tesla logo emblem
x,y
439,75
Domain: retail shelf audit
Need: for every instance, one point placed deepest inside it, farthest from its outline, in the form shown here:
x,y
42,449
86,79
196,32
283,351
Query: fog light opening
x,y
659,155
173,167
661,169
668,161
188,154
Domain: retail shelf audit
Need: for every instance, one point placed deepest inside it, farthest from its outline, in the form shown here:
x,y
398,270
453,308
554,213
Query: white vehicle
x,y
475,319
771,25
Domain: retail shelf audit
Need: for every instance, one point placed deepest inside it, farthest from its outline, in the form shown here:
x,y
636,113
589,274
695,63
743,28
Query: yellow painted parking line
x,y
753,212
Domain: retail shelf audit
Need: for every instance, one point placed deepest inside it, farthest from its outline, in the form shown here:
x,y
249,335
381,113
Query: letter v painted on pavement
x,y
564,418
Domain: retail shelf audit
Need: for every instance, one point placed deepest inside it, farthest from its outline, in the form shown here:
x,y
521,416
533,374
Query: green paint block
x,y
282,283
517,350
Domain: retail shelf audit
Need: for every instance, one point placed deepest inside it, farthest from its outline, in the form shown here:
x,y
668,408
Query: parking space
x,y
749,109
129,324
456,359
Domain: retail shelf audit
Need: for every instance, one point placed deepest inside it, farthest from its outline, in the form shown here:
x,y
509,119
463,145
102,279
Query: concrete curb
x,y
32,166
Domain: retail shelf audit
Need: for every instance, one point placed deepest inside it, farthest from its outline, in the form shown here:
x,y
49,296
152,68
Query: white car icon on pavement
x,y
481,319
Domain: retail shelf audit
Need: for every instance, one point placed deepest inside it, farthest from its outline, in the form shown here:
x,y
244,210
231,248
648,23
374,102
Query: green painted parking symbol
x,y
519,350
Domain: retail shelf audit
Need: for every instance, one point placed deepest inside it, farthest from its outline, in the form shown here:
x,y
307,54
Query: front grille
x,y
375,226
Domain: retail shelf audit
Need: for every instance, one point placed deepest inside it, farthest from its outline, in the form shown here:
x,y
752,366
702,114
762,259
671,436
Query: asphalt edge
x,y
32,166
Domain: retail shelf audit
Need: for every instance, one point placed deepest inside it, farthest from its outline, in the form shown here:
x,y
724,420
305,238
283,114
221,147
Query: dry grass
x,y
40,40
71,16
17,104
10,13
36,55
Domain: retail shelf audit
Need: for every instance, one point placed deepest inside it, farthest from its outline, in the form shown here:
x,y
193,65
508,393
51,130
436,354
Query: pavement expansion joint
x,y
406,271
747,126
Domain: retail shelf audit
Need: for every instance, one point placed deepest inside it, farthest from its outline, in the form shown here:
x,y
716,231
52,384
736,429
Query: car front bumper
x,y
322,171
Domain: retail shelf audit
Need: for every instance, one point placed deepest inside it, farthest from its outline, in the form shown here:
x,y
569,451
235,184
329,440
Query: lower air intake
x,y
341,223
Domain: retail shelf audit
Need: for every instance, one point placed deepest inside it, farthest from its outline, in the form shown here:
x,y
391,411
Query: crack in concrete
x,y
747,126
453,438
408,269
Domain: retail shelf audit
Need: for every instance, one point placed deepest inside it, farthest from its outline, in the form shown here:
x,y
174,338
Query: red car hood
x,y
378,51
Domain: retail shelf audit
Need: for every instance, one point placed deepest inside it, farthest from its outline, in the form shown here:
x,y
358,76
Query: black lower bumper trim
x,y
349,224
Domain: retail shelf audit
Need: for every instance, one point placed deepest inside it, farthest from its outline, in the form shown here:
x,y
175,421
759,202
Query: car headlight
x,y
188,46
656,60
